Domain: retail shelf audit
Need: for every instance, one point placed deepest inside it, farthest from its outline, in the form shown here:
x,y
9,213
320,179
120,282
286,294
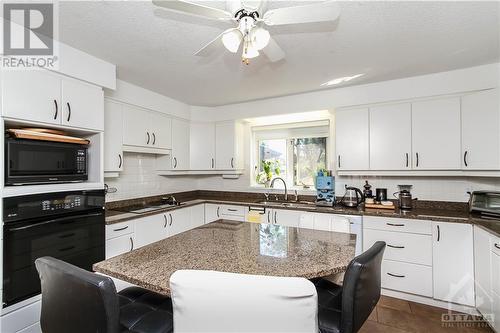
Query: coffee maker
x,y
325,190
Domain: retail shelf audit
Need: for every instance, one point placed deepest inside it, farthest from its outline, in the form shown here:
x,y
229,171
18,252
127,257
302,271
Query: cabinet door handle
x,y
497,246
232,162
465,158
275,217
395,275
154,138
147,133
69,111
171,219
395,246
417,159
120,229
175,162
395,224
338,160
212,163
166,221
57,109
407,160
121,161
218,208
131,244
268,213
439,233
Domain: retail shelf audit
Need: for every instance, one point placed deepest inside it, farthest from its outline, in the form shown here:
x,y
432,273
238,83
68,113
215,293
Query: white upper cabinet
x,y
136,124
40,96
453,262
202,146
113,121
180,144
390,137
32,95
161,131
352,139
228,145
436,134
481,131
82,105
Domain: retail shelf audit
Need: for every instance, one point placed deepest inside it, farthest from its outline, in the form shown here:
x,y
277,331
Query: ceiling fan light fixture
x,y
260,37
232,40
249,50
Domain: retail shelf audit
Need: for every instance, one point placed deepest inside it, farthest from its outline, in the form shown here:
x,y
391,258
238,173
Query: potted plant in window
x,y
270,168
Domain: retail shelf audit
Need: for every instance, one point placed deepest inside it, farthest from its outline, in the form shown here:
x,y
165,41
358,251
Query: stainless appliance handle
x,y
395,275
69,111
53,221
57,109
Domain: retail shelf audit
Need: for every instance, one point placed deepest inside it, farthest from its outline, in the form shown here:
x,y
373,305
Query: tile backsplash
x,y
424,188
139,179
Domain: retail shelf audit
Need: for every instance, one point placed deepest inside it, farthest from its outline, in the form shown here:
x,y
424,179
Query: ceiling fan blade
x,y
195,9
273,51
214,45
233,6
320,12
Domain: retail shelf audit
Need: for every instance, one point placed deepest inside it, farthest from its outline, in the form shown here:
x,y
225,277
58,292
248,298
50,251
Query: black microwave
x,y
44,162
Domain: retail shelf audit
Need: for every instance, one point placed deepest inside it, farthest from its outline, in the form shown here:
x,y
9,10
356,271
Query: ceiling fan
x,y
250,17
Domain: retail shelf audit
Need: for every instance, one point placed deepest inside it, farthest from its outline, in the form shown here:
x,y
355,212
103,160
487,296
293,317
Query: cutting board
x,y
43,136
379,206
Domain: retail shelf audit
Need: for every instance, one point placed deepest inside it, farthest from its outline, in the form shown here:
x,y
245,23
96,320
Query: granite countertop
x,y
440,213
238,247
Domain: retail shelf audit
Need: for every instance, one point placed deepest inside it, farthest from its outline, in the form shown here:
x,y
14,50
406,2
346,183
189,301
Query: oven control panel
x,y
65,203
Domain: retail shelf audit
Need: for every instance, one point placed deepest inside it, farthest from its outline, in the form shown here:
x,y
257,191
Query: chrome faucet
x,y
284,183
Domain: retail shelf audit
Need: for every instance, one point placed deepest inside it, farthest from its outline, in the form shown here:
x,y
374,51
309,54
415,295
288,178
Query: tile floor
x,y
393,315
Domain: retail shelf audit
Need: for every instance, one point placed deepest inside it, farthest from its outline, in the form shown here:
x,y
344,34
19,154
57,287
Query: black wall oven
x,y
65,225
40,162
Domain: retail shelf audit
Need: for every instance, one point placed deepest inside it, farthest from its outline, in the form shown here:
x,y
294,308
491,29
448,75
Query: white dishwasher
x,y
356,227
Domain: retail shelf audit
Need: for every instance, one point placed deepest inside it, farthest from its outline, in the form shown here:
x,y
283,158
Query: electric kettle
x,y
352,197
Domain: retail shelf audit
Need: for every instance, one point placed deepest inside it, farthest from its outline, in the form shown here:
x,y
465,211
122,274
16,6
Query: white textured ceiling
x,y
154,48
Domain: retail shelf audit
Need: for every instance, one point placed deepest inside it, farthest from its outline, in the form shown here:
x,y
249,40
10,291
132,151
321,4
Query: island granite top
x,y
237,247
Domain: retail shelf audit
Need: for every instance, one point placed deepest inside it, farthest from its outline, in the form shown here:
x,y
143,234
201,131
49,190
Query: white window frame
x,y
288,132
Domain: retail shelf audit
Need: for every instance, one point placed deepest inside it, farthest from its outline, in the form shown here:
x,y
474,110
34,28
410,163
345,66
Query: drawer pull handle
x,y
395,225
120,229
395,275
497,246
232,210
395,246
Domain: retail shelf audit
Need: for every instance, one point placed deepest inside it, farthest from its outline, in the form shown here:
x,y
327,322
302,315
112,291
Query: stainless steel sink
x,y
281,203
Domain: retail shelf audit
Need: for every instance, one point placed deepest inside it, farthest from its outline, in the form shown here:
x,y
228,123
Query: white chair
x,y
209,301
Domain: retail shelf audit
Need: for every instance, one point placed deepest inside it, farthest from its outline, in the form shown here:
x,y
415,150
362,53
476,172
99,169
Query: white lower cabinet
x,y
197,217
214,212
453,262
179,221
482,270
407,277
24,319
151,229
120,245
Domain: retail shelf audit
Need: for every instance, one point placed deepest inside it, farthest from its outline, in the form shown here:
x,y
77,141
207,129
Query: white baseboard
x,y
430,301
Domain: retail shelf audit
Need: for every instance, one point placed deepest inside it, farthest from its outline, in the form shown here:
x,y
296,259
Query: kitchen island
x,y
238,247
